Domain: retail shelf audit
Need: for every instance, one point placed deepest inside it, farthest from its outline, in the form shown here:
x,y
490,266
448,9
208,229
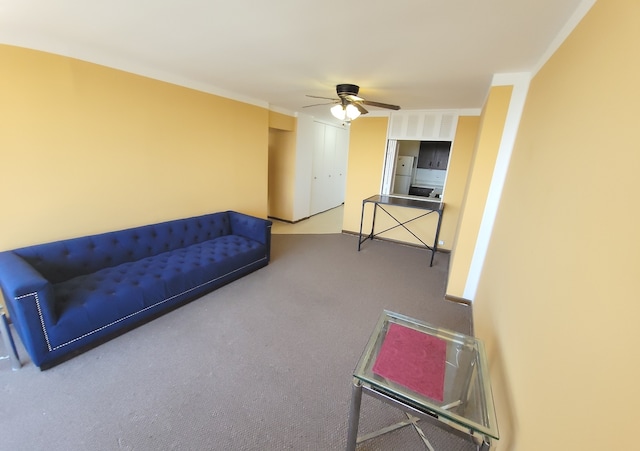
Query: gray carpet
x,y
263,363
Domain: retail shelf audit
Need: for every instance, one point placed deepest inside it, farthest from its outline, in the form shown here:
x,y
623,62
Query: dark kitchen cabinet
x,y
419,191
442,159
426,158
434,154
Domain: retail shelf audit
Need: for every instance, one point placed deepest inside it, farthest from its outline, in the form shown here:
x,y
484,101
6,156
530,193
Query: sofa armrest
x,y
252,227
17,277
30,302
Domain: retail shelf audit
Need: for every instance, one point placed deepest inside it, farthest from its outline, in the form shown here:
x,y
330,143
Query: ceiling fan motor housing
x,y
347,90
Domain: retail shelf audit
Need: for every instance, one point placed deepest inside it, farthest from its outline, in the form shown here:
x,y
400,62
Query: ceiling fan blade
x,y
319,97
352,98
381,105
360,108
318,104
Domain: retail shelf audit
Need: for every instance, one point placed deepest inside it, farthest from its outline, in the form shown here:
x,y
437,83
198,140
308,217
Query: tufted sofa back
x,y
63,260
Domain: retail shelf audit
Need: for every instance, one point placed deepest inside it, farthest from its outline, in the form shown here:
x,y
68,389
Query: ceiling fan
x,y
348,104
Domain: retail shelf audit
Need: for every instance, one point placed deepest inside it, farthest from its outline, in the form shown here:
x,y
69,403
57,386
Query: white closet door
x,y
330,140
318,171
329,167
341,159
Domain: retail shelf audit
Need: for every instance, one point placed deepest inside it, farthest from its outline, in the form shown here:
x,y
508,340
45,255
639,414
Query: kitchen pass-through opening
x,y
416,168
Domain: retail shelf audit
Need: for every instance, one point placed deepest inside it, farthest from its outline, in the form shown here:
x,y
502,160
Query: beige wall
x,y
366,160
367,144
86,149
462,152
282,166
557,300
484,159
281,121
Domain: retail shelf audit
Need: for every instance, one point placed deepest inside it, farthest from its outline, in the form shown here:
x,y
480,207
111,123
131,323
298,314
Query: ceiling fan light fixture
x,y
348,106
342,112
352,112
339,112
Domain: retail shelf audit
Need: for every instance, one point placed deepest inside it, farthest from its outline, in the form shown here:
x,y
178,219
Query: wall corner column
x,y
499,125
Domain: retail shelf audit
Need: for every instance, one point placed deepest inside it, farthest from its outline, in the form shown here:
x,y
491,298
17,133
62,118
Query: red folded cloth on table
x,y
414,360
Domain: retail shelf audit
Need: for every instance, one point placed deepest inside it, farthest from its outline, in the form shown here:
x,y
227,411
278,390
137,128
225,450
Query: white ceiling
x,y
419,54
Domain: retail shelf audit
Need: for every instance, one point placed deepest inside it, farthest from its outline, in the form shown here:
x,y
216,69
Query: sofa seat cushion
x,y
92,302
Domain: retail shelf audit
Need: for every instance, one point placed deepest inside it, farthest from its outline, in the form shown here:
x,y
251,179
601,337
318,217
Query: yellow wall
x,y
282,165
492,123
367,144
366,159
281,121
87,149
557,300
282,172
462,152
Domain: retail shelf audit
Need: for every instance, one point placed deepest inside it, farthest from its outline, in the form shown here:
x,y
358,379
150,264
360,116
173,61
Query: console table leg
x,y
354,415
361,221
434,249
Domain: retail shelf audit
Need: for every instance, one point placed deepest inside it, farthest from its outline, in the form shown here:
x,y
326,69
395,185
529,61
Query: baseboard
x,y
286,220
458,300
305,218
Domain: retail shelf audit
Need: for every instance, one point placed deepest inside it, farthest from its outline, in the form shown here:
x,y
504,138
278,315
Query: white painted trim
x,y
459,112
456,111
389,166
582,9
520,82
377,113
470,112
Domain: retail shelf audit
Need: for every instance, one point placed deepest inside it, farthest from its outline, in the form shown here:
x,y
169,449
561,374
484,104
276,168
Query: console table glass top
x,y
421,204
458,389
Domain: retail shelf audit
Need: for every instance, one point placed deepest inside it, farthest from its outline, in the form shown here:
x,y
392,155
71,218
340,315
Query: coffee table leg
x,y
354,415
9,343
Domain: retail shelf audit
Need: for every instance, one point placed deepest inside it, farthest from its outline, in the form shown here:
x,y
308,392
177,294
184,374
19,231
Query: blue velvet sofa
x,y
67,296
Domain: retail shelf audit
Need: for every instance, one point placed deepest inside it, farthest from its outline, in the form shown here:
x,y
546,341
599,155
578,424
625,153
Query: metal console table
x,y
429,206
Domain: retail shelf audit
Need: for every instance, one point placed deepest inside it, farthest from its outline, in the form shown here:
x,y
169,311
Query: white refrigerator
x,y
404,173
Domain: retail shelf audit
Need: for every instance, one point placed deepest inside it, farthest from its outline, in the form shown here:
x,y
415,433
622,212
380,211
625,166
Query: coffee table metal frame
x,y
5,331
467,409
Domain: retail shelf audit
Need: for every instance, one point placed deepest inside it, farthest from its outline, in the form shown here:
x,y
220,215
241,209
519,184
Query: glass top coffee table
x,y
430,373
